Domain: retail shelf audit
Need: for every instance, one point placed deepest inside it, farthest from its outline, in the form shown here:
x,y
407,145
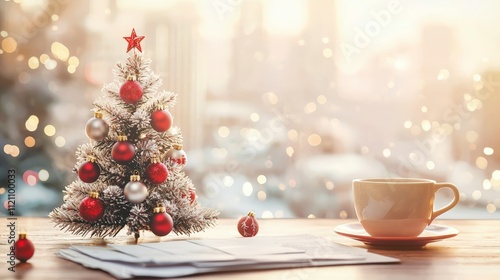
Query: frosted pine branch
x,y
72,223
118,206
114,112
147,150
112,90
191,222
151,84
166,98
138,219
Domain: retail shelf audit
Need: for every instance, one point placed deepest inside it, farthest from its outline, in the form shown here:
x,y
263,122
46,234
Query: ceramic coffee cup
x,y
398,207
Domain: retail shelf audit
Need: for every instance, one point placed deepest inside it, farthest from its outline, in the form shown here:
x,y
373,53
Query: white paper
x,y
181,258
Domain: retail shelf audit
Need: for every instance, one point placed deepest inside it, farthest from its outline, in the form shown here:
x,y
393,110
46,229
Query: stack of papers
x,y
182,258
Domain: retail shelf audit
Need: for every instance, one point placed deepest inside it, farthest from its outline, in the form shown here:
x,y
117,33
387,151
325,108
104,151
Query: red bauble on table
x,y
91,208
161,222
131,91
248,226
89,171
24,248
123,151
156,172
161,120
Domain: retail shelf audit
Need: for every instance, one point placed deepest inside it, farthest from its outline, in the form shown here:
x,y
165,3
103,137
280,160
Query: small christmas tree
x,y
130,172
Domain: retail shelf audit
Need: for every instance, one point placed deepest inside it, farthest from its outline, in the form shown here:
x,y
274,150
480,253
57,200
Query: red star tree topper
x,y
134,41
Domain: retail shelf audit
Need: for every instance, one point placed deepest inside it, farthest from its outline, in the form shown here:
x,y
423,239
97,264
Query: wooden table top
x,y
473,254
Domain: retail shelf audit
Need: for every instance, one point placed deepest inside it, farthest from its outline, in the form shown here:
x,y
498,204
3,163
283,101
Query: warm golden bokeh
x,y
281,102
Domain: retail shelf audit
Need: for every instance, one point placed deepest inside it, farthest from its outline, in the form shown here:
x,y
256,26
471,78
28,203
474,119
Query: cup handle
x,y
452,204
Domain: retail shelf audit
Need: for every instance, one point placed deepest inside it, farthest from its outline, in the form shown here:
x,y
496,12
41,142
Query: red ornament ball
x,y
156,173
131,92
161,222
24,248
161,120
89,171
123,152
248,226
91,208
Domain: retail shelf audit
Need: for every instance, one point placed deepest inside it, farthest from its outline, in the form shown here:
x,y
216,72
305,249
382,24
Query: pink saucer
x,y
431,233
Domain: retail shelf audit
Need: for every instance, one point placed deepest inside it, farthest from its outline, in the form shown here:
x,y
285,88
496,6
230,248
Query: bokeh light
x,y
314,140
327,52
49,130
228,181
33,62
247,189
310,108
386,152
261,179
292,134
491,208
29,141
9,45
30,177
44,57
343,214
43,175
223,131
481,162
32,123
254,117
267,214
321,99
60,141
50,64
261,195
74,61
430,165
488,151
60,51
12,150
271,97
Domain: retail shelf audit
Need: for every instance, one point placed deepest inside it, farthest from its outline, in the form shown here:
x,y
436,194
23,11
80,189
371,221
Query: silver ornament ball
x,y
97,129
135,192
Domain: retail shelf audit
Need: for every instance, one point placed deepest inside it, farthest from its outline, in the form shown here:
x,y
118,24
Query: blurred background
x,y
282,103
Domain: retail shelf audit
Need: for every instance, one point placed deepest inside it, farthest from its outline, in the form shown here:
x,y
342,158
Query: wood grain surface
x,y
473,254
